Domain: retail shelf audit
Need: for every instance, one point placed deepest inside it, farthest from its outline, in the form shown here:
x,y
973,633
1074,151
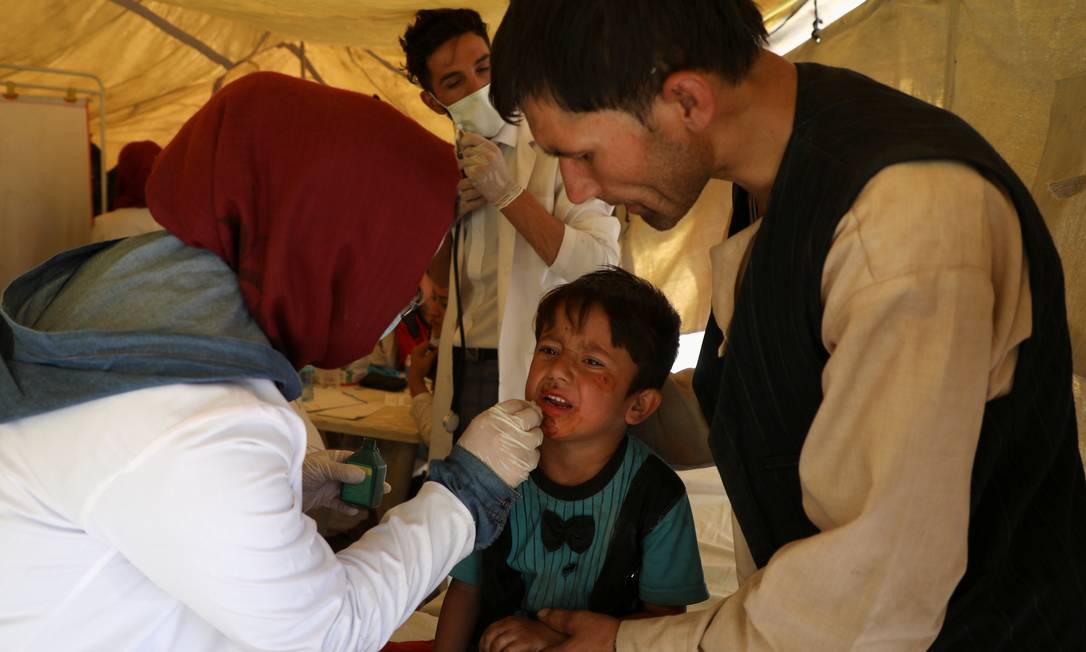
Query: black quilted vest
x,y
1025,584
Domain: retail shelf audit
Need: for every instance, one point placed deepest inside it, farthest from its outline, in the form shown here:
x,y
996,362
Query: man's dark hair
x,y
642,319
431,29
590,55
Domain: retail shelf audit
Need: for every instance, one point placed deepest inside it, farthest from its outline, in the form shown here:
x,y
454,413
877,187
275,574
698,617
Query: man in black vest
x,y
886,375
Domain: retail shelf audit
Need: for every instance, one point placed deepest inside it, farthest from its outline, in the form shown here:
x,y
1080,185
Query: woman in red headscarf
x,y
154,474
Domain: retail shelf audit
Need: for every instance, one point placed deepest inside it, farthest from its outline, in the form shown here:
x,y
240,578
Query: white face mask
x,y
475,113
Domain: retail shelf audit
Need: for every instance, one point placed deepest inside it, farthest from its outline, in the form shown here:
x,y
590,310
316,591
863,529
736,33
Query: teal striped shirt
x,y
671,571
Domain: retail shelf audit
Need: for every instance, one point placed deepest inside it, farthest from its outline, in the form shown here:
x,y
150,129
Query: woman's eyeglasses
x,y
412,307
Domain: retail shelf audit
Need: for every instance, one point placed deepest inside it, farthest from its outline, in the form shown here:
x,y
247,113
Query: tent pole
x,y
950,74
176,32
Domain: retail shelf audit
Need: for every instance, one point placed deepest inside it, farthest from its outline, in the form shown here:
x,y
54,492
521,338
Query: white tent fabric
x,y
160,60
1060,189
155,80
998,63
1016,71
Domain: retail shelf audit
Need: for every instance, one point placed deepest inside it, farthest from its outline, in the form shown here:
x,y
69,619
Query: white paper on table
x,y
353,411
328,400
377,396
366,394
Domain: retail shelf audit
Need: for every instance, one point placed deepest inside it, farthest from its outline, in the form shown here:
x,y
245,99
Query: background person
x,y
128,214
891,408
419,326
520,234
133,168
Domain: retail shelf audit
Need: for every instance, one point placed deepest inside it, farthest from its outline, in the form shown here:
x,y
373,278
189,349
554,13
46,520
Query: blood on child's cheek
x,y
605,382
569,426
549,427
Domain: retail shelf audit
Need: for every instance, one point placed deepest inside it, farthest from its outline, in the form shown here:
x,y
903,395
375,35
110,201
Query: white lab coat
x,y
590,240
169,519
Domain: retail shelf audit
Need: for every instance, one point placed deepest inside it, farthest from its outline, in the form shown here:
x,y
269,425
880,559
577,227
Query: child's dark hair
x,y
431,29
642,319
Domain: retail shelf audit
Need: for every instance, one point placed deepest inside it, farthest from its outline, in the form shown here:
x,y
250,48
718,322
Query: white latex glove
x,y
505,438
484,165
470,198
323,473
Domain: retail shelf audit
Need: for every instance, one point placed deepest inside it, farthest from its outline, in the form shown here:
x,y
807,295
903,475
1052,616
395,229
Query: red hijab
x,y
133,167
328,205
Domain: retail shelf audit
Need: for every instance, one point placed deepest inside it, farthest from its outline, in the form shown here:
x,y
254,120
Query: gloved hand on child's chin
x,y
506,438
495,455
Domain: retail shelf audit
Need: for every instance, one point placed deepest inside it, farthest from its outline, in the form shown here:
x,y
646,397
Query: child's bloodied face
x,y
579,378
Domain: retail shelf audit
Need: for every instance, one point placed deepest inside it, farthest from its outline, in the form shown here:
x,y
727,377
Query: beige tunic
x,y
926,298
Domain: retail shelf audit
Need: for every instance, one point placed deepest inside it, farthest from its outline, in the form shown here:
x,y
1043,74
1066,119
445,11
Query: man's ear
x,y
429,101
691,91
644,404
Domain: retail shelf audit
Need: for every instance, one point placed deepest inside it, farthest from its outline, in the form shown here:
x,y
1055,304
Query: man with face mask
x,y
518,234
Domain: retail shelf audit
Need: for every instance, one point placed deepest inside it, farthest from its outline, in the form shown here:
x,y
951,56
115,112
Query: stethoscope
x,y
451,421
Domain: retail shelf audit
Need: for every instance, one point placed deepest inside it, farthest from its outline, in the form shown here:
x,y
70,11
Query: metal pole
x,y
101,114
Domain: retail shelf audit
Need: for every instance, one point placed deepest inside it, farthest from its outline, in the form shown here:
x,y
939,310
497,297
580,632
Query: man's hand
x,y
470,198
587,631
516,634
484,166
505,438
422,360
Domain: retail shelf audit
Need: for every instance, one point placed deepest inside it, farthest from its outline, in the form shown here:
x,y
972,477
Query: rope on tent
x,y
388,97
799,5
950,75
380,60
816,23
241,62
176,32
307,65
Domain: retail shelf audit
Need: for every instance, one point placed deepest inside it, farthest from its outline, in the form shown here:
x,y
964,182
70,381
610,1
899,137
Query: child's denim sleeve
x,y
671,564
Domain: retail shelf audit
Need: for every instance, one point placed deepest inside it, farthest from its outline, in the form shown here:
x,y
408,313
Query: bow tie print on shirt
x,y
577,532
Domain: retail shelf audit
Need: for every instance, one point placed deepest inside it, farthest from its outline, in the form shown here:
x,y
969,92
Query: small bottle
x,y
370,491
306,374
329,377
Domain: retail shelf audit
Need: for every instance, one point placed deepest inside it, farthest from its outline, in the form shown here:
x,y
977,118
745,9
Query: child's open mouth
x,y
554,404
